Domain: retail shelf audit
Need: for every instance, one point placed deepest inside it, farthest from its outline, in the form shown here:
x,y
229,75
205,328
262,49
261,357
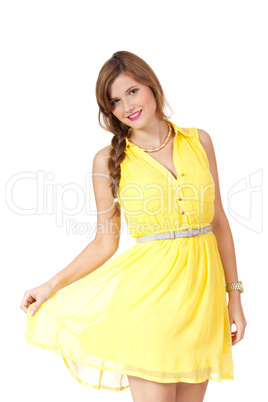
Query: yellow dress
x,y
158,310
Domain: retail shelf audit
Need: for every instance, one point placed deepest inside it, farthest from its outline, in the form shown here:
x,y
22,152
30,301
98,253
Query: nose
x,y
128,106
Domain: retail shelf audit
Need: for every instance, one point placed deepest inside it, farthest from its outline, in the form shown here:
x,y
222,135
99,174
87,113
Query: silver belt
x,y
173,235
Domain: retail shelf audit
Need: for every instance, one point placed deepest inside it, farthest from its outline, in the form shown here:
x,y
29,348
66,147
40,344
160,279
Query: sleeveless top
x,y
153,201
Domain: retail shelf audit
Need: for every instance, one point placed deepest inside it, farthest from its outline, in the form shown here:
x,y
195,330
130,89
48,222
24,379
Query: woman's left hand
x,y
236,316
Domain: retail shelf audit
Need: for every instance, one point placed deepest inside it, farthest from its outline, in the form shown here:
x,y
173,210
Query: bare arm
x,y
225,243
107,236
220,224
97,252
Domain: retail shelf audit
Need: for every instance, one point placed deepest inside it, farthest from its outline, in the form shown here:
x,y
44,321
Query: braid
x,y
117,155
139,70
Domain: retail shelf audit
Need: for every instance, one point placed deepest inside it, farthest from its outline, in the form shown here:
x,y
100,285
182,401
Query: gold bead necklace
x,y
161,146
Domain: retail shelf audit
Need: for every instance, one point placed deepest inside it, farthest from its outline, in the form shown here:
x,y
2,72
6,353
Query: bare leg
x,y
151,391
187,392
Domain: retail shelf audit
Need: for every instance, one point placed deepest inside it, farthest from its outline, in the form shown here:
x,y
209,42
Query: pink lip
x,y
135,118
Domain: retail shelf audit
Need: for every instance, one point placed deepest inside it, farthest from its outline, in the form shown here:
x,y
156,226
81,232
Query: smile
x,y
135,116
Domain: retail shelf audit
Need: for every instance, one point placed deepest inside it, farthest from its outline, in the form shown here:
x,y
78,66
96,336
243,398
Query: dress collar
x,y
177,130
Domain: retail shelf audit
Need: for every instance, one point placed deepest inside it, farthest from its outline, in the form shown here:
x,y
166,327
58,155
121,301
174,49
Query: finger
x,y
32,309
239,335
26,302
234,338
233,334
24,307
36,305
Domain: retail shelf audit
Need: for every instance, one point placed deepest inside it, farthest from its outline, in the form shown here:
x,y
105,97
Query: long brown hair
x,y
137,68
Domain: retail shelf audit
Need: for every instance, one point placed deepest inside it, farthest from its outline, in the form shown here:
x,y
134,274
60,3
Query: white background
x,y
210,58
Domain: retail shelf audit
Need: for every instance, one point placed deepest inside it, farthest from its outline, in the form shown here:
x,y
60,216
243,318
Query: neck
x,y
150,136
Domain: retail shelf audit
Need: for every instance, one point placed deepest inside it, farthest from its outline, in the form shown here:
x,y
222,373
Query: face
x,y
132,103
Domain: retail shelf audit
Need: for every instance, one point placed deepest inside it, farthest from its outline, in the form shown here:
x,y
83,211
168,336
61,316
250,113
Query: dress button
x,y
180,199
183,212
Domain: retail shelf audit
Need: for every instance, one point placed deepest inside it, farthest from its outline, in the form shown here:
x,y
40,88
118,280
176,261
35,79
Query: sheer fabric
x,y
158,310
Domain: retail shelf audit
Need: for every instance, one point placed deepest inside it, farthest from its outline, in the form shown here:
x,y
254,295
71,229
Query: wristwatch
x,y
235,286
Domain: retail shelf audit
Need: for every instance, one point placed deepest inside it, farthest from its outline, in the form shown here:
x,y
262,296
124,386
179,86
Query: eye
x,y
133,90
113,102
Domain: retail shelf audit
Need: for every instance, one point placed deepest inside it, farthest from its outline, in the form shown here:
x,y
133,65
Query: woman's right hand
x,y
37,296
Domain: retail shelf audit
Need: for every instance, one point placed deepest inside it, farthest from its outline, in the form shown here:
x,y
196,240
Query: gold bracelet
x,y
235,286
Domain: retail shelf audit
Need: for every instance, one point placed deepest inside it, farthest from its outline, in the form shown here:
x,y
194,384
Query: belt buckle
x,y
199,232
172,235
192,230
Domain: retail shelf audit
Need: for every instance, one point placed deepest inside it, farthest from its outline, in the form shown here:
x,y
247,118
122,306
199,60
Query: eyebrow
x,y
125,92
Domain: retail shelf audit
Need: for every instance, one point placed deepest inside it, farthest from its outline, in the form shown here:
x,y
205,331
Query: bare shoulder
x,y
100,160
108,227
206,142
205,138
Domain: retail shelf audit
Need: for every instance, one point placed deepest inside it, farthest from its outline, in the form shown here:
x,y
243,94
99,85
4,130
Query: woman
x,y
155,317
